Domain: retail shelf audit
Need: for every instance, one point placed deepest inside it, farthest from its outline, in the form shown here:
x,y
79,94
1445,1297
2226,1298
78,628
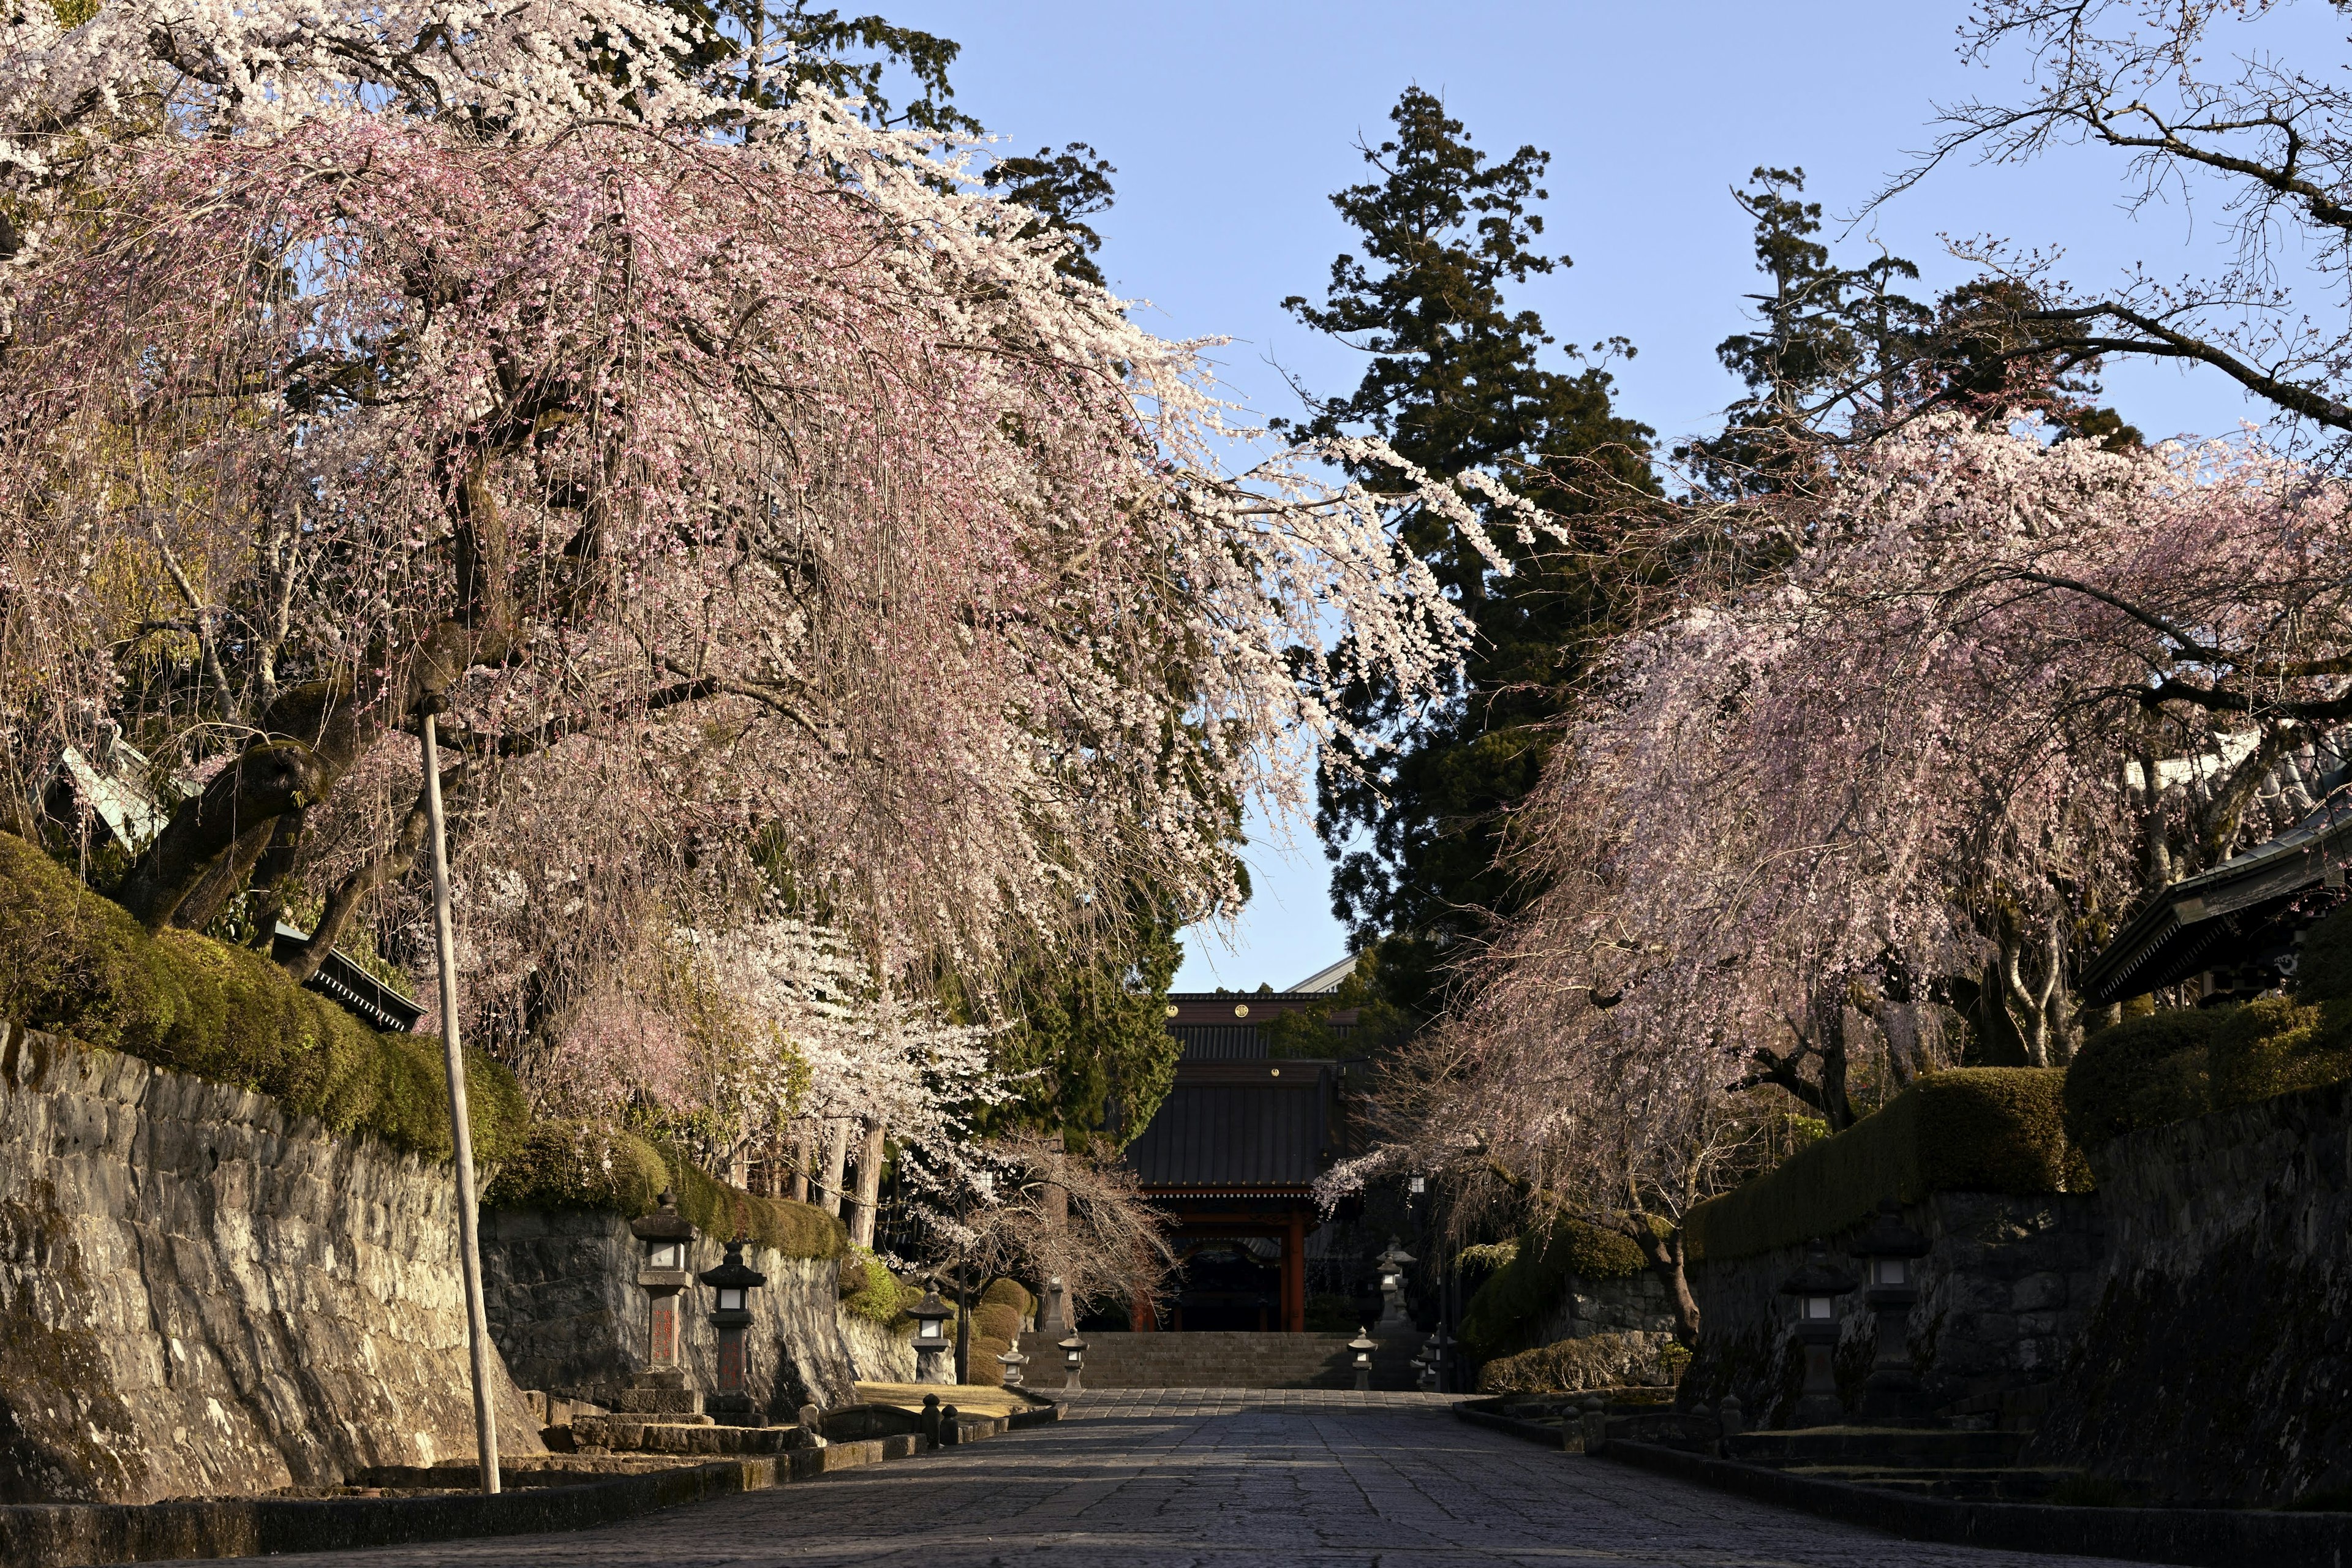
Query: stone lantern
x,y
1073,1361
733,1284
1816,1287
1890,1251
1051,1318
1012,1361
1364,1344
667,1236
931,1340
1392,1264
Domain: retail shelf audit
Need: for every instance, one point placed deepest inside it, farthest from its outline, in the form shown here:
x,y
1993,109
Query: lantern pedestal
x,y
1817,1287
659,1387
732,1282
1890,1253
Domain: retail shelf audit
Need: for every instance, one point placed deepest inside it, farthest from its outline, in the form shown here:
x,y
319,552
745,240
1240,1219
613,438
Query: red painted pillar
x,y
1140,1316
1294,1277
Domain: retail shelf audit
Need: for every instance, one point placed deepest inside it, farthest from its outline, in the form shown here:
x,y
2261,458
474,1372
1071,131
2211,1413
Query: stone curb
x,y
83,1535
2199,1537
1533,1431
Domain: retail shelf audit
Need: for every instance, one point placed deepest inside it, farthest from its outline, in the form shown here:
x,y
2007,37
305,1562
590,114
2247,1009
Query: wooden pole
x,y
461,1127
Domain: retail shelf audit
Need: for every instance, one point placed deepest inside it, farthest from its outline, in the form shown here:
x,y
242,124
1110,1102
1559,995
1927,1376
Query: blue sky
x,y
1231,123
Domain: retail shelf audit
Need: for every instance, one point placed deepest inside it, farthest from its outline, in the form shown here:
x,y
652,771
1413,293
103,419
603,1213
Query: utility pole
x,y
461,1127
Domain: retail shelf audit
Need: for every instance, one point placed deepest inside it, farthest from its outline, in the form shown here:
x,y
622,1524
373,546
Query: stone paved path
x,y
1225,1478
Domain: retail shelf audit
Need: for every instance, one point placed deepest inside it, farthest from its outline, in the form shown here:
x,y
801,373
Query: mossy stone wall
x,y
1977,1129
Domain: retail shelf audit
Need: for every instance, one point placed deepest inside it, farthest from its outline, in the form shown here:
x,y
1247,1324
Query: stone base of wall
x,y
2218,1356
2004,1295
569,1317
202,1297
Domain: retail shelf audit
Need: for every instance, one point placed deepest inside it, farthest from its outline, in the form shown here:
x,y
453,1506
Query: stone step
x,y
1879,1447
1967,1485
1233,1359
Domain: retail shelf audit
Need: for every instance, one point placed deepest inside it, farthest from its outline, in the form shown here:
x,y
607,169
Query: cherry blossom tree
x,y
779,530
2001,690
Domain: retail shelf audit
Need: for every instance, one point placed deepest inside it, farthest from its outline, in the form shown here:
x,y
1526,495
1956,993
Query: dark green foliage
x,y
1307,1033
78,965
2323,970
1092,1030
869,1291
2182,1062
1979,1130
579,1165
1457,382
1508,1309
1064,189
2141,1072
1572,1366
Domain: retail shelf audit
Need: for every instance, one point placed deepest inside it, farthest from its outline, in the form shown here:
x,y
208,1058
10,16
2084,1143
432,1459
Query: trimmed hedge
x,y
1574,1366
2171,1066
1510,1305
76,965
1976,1130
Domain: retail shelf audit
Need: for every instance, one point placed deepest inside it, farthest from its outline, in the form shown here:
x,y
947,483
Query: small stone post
x,y
1596,1424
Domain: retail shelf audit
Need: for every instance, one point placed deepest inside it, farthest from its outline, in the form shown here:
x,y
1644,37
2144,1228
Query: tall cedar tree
x,y
1456,381
1838,352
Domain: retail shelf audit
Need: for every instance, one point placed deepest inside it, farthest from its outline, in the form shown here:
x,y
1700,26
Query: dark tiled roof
x,y
1231,1126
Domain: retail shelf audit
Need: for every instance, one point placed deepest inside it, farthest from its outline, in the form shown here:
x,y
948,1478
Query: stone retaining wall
x,y
201,1296
2218,1354
1635,1304
2004,1297
569,1317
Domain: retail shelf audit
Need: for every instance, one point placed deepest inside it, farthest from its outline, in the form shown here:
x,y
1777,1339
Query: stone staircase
x,y
1213,1359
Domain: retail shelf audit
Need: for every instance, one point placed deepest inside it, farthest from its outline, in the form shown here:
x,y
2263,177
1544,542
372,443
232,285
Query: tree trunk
x,y
836,1158
803,1155
1665,1257
869,1186
963,1329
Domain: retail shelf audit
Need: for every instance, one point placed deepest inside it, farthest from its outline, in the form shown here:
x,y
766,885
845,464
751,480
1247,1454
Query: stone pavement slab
x,y
1225,1478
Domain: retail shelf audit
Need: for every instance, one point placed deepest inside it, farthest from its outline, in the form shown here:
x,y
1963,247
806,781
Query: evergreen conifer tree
x,y
1457,379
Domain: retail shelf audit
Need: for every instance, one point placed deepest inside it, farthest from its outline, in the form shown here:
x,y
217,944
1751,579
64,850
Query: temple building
x,y
1234,1151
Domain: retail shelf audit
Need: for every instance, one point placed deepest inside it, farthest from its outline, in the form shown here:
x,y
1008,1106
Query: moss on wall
x,y
76,965
579,1165
1511,1305
1984,1129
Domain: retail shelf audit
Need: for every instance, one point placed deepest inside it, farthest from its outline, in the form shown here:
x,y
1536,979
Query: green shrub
x,y
1977,1129
76,965
869,1291
1010,1293
2141,1072
581,1165
2273,1046
1574,1366
1509,1307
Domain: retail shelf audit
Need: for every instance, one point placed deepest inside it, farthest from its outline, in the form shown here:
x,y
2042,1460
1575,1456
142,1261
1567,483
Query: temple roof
x,y
1252,1127
2248,909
